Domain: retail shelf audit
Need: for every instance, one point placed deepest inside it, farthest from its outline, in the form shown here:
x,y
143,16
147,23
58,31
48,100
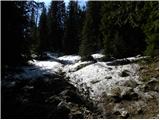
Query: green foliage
x,y
72,28
43,46
91,41
121,29
56,14
34,32
151,28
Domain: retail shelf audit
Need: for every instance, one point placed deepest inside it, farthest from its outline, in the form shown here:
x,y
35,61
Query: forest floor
x,y
66,87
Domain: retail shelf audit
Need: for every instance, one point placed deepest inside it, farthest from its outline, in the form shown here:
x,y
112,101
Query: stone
x,y
152,85
27,87
129,83
124,114
109,68
129,94
108,77
124,73
63,108
77,115
53,99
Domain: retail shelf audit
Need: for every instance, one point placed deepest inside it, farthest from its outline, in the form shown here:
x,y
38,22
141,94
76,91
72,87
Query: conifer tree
x,y
15,33
122,33
56,16
151,28
91,41
34,32
43,42
72,28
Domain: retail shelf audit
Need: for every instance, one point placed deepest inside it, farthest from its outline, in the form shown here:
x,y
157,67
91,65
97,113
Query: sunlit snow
x,y
97,77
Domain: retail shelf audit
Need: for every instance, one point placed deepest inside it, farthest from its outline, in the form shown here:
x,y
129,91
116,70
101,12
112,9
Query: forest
x,y
31,32
118,29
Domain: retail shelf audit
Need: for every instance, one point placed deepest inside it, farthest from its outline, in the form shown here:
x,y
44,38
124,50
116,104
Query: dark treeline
x,y
118,29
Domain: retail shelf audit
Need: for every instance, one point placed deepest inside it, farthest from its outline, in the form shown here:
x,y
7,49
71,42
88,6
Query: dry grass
x,y
149,69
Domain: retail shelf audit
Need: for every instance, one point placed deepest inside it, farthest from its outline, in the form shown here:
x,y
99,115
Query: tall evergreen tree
x,y
56,16
122,33
15,33
151,28
91,40
34,8
43,30
34,32
73,23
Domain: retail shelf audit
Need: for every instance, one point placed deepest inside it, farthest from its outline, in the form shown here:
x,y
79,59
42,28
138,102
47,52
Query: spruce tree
x,y
34,32
43,42
72,28
15,33
56,16
91,40
34,8
121,29
151,28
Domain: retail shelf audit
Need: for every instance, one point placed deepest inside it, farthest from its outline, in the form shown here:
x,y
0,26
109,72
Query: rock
x,y
128,94
151,95
110,68
53,99
124,73
124,114
119,110
77,115
126,91
71,96
108,77
65,92
27,87
63,110
114,94
127,83
152,85
88,58
94,81
118,93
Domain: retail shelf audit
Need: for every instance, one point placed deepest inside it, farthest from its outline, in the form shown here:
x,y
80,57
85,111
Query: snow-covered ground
x,y
39,69
97,77
71,59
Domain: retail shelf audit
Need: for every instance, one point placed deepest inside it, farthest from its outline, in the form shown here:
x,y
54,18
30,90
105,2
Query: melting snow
x,y
97,56
39,68
70,58
98,77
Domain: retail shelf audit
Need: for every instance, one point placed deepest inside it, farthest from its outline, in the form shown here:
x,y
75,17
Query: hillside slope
x,y
123,88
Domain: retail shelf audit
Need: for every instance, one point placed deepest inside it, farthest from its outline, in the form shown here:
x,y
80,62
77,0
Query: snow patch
x,y
97,56
70,58
76,66
99,76
39,69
